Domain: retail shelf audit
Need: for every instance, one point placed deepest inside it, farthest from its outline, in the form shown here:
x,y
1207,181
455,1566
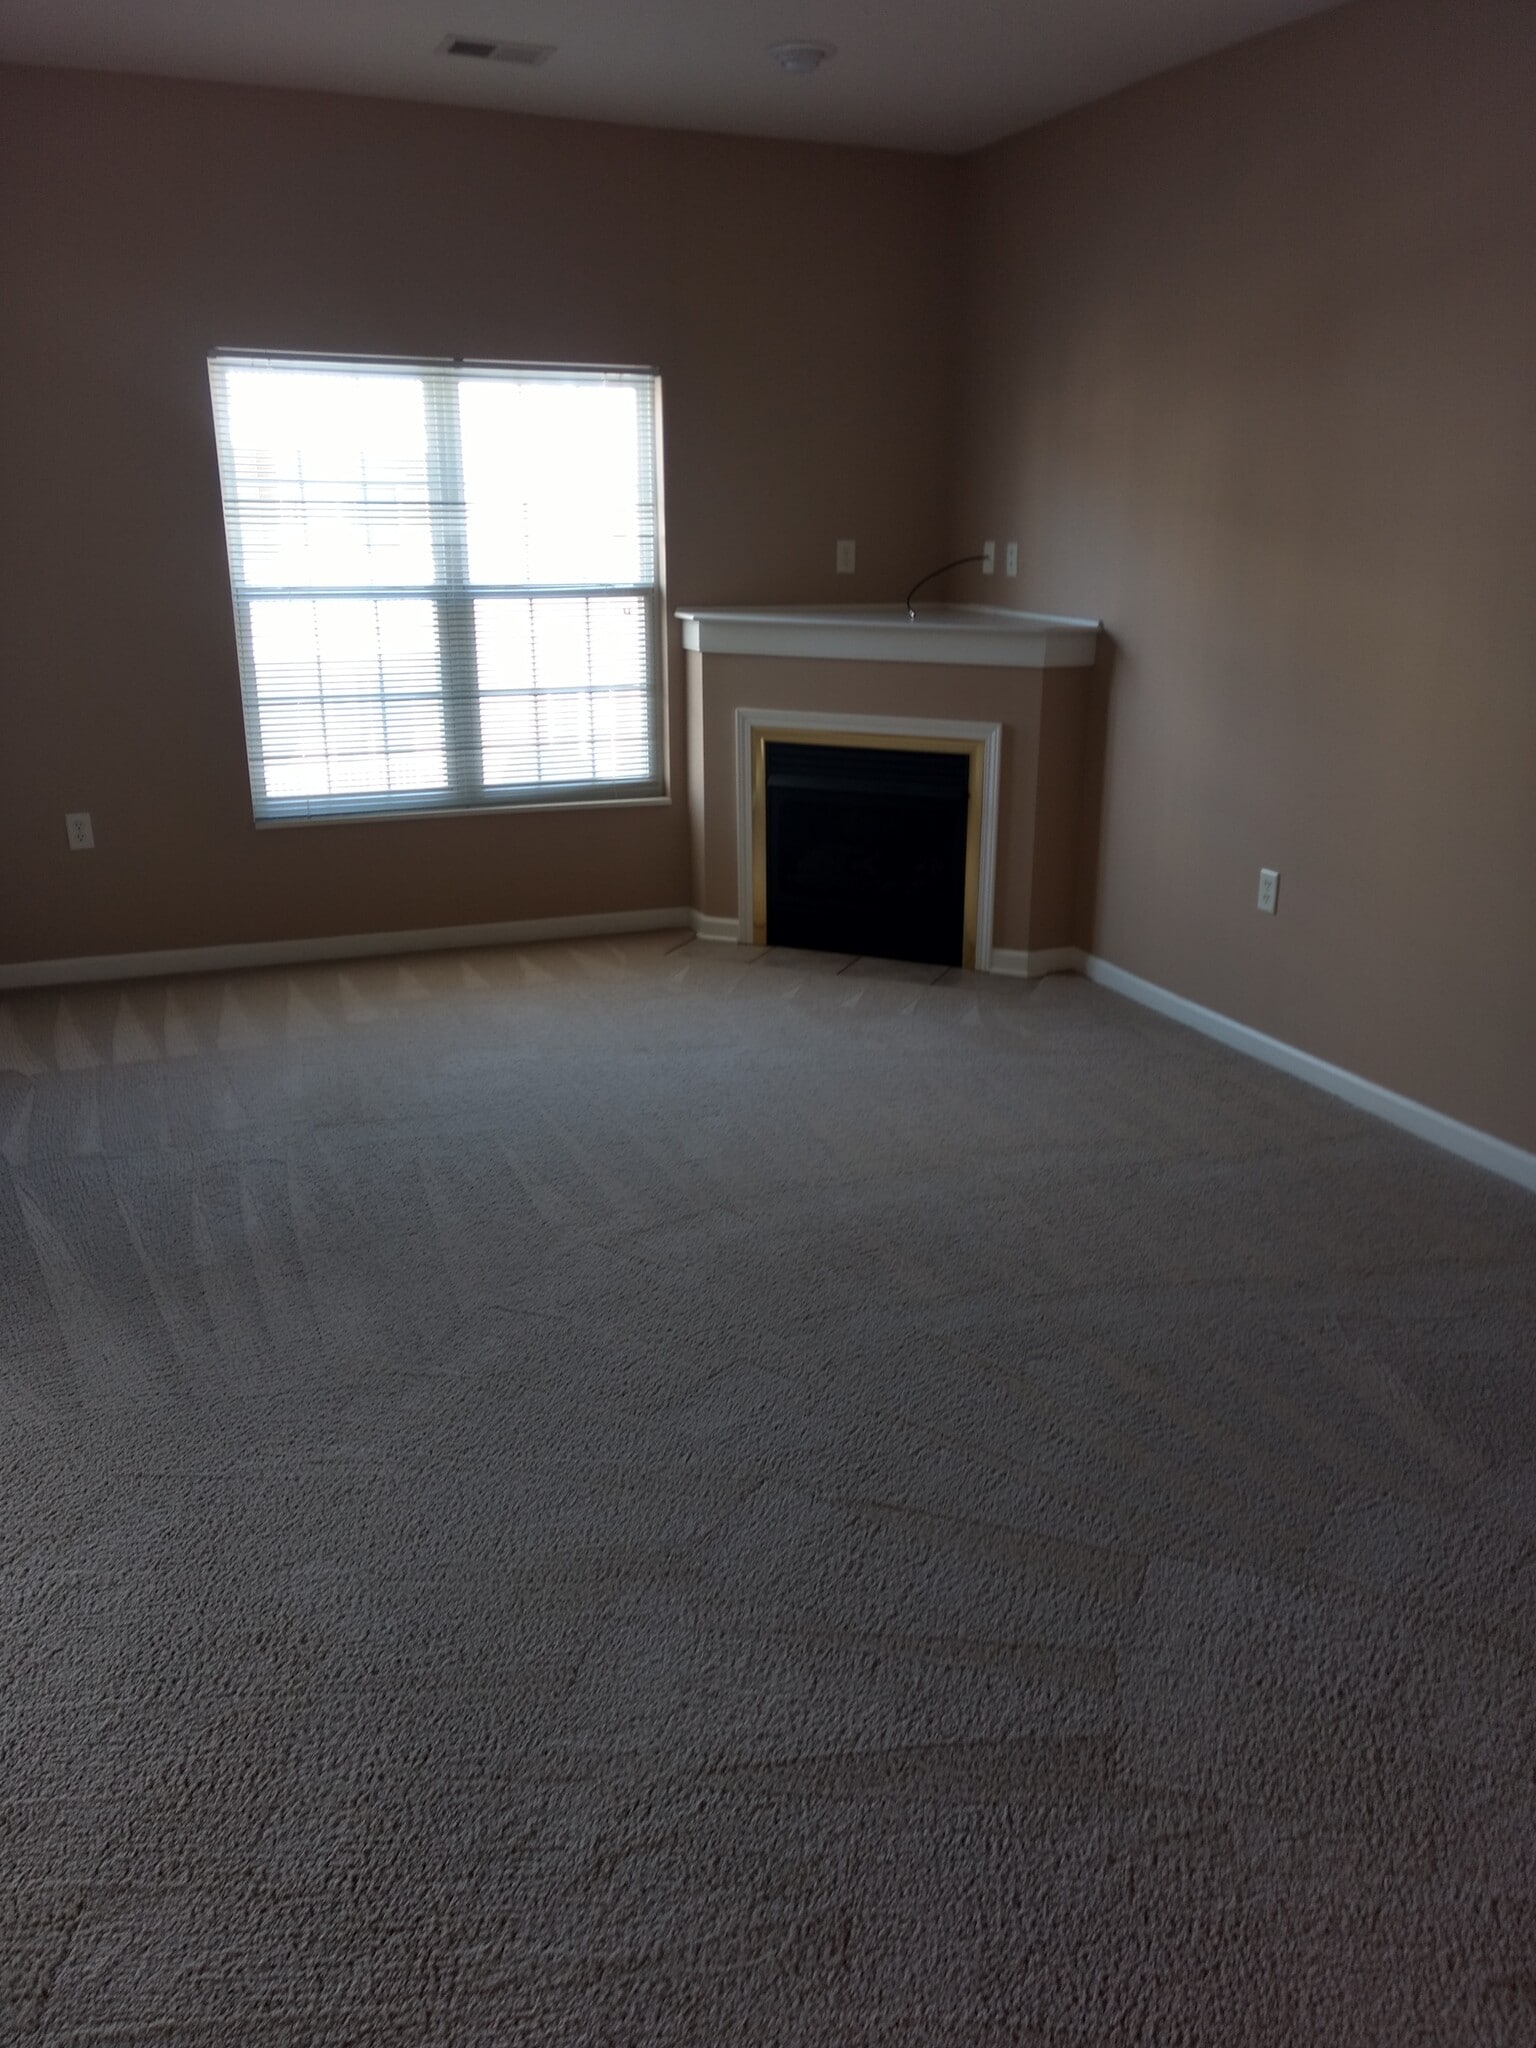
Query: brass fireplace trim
x,y
909,743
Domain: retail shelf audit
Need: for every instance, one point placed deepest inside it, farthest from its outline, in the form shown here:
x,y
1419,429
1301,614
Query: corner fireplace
x,y
845,738
865,848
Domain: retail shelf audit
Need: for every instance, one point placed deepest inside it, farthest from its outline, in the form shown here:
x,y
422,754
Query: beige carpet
x,y
632,1493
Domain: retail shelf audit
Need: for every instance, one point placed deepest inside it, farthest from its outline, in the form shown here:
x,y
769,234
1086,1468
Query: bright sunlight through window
x,y
446,582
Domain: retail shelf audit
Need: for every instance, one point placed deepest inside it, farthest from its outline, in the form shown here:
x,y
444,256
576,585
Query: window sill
x,y
411,817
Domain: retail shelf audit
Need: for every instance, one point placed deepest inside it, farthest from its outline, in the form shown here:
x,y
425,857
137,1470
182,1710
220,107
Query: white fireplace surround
x,y
751,723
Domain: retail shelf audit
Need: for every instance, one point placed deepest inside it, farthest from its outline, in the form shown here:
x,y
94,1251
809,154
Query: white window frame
x,y
454,597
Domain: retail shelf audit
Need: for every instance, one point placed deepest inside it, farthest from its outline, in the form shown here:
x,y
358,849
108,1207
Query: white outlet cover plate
x,y
846,552
1269,890
77,825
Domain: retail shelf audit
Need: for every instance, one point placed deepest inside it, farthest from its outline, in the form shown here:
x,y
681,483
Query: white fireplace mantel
x,y
961,635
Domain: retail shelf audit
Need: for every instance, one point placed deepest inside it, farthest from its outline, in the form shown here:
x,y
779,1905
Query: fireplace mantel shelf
x,y
965,635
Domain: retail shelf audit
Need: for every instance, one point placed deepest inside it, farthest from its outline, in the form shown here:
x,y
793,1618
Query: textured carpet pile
x,y
635,1492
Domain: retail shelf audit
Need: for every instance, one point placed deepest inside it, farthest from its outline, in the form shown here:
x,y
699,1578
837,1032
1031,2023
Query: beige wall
x,y
1251,373
798,301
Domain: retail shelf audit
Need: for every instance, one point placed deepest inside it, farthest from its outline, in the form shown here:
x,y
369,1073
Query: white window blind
x,y
446,582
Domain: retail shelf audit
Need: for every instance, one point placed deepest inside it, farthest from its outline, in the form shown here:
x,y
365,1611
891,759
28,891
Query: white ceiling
x,y
912,74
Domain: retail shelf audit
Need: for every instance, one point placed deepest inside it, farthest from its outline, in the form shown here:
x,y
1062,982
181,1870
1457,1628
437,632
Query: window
x,y
446,582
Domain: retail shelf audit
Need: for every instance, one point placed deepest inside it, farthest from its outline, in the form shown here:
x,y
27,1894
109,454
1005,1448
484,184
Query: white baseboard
x,y
1464,1140
1044,960
724,930
345,946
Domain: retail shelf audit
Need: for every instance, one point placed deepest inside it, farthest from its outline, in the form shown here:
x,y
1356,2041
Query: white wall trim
x,y
723,929
988,733
345,946
1480,1147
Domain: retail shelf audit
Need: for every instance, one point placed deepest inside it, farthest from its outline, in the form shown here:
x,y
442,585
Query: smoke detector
x,y
485,48
801,58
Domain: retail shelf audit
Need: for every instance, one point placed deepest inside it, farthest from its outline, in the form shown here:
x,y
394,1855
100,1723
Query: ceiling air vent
x,y
526,54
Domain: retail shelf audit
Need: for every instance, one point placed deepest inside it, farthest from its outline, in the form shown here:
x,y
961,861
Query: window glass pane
x,y
509,741
621,734
340,683
331,477
347,644
564,693
293,747
556,482
354,746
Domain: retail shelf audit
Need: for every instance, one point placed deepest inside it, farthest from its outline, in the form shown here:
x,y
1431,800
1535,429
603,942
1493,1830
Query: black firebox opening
x,y
866,850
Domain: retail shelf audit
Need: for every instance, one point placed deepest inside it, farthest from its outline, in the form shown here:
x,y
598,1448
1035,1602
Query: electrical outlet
x,y
1269,890
77,825
1011,559
988,557
845,555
